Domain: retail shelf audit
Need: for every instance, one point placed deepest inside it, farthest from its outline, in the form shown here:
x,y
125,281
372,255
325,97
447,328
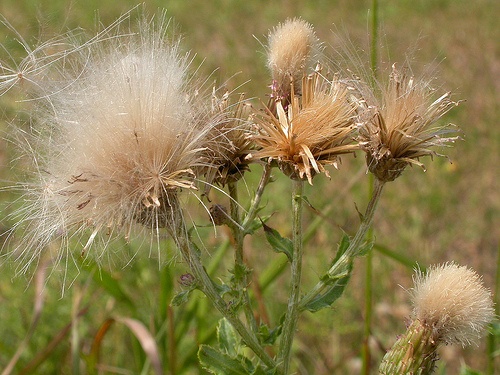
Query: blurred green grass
x,y
450,212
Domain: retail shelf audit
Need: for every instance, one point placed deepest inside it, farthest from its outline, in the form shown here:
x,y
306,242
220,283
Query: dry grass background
x,y
449,213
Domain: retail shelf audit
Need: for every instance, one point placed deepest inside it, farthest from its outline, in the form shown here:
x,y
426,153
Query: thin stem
x,y
240,268
365,353
209,289
292,314
354,247
374,40
254,207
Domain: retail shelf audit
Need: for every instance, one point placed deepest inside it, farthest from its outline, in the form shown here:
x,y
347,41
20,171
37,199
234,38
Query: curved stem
x,y
354,246
209,289
292,314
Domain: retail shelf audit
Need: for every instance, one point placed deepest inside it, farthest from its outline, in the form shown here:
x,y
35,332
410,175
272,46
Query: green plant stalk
x,y
352,251
292,314
254,207
240,268
365,353
207,286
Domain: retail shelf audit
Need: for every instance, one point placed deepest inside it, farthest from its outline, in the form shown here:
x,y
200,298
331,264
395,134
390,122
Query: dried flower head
x,y
453,301
228,144
120,136
290,46
314,130
400,128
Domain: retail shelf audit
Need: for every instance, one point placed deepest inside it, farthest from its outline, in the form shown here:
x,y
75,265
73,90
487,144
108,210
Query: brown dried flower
x,y
314,130
227,142
399,130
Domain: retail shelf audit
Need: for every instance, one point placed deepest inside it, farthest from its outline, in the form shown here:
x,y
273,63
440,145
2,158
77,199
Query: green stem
x,y
365,353
374,41
292,314
209,289
352,251
254,207
240,268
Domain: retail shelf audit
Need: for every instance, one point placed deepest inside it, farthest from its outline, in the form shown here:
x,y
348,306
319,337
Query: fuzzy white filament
x,y
119,133
452,300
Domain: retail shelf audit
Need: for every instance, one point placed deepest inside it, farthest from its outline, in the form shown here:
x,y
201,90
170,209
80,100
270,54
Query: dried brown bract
x,y
227,142
399,128
312,132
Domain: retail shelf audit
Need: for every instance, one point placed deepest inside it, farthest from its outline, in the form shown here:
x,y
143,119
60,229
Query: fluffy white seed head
x,y
453,301
117,137
290,47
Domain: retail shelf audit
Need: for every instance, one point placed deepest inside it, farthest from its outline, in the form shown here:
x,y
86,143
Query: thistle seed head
x,y
290,47
400,128
121,138
452,301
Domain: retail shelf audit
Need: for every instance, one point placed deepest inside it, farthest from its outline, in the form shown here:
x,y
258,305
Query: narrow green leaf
x,y
335,284
327,299
465,370
256,224
220,363
228,339
278,243
398,257
343,246
108,283
269,336
181,297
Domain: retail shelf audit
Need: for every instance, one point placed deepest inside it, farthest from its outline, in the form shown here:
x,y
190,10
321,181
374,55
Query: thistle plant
x,y
123,132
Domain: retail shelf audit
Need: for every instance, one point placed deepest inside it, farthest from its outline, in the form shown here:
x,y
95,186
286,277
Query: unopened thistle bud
x,y
290,47
451,306
400,128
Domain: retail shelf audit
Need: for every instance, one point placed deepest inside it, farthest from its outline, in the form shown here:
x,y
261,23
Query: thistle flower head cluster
x,y
311,132
399,128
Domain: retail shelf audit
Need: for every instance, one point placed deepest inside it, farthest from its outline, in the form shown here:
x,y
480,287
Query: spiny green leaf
x,y
278,243
220,363
332,293
228,339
